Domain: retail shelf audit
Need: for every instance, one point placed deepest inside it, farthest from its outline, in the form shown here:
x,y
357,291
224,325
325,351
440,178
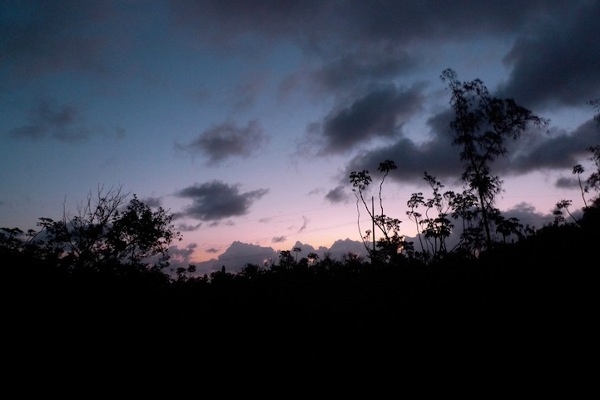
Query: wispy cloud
x,y
278,239
226,141
50,120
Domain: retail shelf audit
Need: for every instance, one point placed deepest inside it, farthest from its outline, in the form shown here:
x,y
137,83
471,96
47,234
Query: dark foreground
x,y
515,313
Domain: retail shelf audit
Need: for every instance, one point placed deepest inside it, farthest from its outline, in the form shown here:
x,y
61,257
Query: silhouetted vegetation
x,y
92,287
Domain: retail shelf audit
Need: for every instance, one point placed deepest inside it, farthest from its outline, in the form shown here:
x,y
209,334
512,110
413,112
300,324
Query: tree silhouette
x,y
390,246
591,183
433,224
103,234
481,125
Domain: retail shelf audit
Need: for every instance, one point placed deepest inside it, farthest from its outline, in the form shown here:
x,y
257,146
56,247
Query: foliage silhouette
x,y
326,314
81,291
390,247
104,234
481,126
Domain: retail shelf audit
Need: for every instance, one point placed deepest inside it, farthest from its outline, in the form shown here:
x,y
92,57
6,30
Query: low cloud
x,y
528,215
181,257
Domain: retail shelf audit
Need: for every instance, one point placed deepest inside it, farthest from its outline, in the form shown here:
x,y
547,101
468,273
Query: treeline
x,y
535,296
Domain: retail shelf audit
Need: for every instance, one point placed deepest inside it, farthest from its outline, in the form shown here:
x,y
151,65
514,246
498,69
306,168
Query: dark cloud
x,y
435,155
228,140
535,149
379,113
330,25
278,239
417,20
188,227
337,195
560,64
152,201
38,37
47,119
215,200
558,150
370,65
567,182
355,42
222,22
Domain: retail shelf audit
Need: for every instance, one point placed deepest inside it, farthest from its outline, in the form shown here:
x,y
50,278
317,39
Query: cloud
x,y
559,150
181,257
567,183
536,149
47,119
559,64
247,92
278,239
350,69
215,200
337,195
40,37
326,27
305,222
436,155
378,114
152,201
188,227
239,254
527,215
223,22
228,140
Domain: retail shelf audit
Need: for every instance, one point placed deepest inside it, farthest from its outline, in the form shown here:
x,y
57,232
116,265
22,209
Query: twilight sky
x,y
244,118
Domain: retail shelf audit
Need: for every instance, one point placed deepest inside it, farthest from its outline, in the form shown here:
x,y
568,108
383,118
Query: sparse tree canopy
x,y
104,232
481,126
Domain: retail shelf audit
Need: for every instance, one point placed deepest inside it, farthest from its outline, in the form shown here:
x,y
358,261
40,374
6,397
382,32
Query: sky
x,y
245,118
